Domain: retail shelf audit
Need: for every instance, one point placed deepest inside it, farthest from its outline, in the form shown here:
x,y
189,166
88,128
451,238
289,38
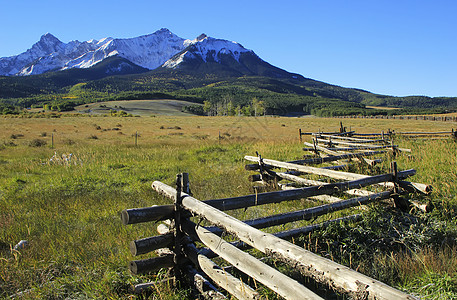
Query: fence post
x,y
399,202
178,232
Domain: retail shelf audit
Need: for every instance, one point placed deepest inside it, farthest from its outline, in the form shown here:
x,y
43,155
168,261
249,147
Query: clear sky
x,y
392,47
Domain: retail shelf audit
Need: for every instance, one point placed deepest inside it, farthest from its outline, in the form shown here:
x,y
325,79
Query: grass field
x,y
165,107
69,213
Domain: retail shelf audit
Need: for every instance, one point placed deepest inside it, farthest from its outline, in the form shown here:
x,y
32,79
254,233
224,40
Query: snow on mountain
x,y
207,49
50,54
161,48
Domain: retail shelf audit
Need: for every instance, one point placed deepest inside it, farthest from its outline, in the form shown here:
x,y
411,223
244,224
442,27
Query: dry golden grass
x,y
275,129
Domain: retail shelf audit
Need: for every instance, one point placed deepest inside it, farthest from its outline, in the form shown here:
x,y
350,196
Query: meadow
x,y
68,211
136,107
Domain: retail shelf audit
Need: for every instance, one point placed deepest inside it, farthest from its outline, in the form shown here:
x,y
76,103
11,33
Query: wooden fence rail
x,y
186,256
383,137
400,117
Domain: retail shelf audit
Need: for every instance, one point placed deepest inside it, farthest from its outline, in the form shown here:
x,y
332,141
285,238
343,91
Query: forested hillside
x,y
222,94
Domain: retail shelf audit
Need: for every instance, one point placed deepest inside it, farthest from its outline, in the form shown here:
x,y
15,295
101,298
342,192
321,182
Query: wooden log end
x,y
251,167
133,249
425,207
428,189
125,217
133,267
254,178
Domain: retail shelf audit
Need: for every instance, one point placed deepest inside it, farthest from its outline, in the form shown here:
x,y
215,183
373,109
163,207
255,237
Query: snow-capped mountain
x,y
209,55
50,54
161,48
207,49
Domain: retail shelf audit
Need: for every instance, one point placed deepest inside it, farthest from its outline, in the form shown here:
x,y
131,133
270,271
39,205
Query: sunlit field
x,y
68,208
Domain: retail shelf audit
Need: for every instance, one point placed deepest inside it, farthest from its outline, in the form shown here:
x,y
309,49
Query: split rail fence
x,y
182,231
401,117
386,136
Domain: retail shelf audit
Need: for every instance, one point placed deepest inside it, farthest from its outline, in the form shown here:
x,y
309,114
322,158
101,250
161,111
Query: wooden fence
x,y
385,136
196,265
401,117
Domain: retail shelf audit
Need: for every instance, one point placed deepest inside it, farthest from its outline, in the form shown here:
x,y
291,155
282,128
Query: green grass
x,y
78,247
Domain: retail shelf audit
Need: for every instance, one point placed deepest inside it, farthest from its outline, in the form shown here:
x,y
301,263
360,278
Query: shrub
x,y
69,142
37,143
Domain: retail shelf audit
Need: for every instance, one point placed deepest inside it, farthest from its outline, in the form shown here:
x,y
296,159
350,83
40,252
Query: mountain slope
x,y
54,82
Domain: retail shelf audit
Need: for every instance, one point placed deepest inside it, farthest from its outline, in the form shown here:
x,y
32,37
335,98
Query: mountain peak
x,y
45,46
48,37
201,37
163,31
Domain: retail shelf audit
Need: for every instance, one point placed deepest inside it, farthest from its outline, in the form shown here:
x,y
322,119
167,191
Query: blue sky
x,y
401,47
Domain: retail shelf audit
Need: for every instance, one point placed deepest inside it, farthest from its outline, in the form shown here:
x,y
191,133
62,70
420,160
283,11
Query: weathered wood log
x,y
415,187
425,133
151,265
163,212
145,214
313,170
334,133
340,156
323,149
359,156
256,167
341,148
218,275
291,233
372,134
425,207
286,234
409,186
359,145
345,138
270,277
337,167
279,196
201,284
324,198
149,244
308,182
322,270
313,212
141,287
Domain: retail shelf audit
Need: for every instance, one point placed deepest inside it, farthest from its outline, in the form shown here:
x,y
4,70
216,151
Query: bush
x,y
37,143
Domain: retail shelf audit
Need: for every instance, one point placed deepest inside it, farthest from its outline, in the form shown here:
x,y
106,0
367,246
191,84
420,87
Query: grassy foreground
x,y
69,212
